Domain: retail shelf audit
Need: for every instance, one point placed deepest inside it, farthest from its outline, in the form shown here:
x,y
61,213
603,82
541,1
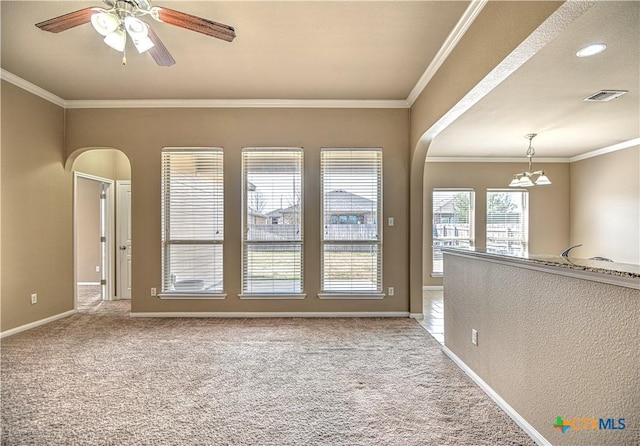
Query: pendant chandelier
x,y
530,177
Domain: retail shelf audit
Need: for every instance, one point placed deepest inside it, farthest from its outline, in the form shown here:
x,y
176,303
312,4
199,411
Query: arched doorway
x,y
102,241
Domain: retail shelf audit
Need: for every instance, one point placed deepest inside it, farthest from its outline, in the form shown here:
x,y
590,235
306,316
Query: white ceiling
x,y
349,50
283,50
545,95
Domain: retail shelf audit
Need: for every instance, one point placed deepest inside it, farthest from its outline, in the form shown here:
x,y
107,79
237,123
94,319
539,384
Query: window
x,y
272,222
453,211
351,188
192,222
507,222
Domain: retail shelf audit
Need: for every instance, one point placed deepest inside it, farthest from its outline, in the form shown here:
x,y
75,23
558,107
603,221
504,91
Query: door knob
x,y
123,247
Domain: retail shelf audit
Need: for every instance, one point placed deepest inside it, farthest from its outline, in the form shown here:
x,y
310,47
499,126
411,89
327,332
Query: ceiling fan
x,y
123,17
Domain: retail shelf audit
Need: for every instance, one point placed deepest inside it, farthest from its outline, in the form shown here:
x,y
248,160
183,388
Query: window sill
x,y
192,296
271,296
437,275
351,295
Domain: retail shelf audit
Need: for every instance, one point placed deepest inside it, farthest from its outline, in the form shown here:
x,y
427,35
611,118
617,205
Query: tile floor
x,y
433,309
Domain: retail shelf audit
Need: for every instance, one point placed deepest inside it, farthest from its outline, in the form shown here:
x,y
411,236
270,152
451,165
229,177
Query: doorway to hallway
x,y
93,236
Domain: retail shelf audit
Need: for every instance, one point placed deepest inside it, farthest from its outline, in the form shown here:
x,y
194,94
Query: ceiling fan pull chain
x,y
124,56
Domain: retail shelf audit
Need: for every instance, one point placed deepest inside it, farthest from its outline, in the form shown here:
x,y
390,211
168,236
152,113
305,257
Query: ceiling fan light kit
x,y
123,18
105,23
530,177
116,40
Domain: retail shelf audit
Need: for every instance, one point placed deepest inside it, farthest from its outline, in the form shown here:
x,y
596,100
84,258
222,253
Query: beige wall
x,y
548,205
88,230
37,253
549,345
498,30
142,134
605,206
105,163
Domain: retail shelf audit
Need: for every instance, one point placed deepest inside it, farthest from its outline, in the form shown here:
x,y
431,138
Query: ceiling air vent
x,y
605,95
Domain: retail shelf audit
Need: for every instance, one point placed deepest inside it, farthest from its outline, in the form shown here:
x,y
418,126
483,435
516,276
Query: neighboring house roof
x,y
337,201
342,201
276,213
280,212
252,211
443,205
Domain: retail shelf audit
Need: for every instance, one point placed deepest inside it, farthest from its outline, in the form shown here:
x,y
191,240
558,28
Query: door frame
x,y
107,262
118,223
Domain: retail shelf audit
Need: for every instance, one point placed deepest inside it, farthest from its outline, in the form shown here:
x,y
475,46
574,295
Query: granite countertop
x,y
626,270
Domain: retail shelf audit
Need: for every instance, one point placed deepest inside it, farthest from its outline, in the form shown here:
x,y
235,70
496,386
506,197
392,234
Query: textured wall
x,y
37,254
549,345
548,206
605,206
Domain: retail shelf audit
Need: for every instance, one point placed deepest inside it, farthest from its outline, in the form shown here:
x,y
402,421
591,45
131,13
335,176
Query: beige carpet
x,y
101,378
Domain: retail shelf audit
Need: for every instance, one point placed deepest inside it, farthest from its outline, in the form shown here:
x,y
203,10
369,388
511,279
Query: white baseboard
x,y
520,421
35,324
273,314
417,316
432,288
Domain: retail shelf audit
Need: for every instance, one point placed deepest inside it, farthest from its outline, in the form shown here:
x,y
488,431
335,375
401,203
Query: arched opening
x,y
431,124
102,226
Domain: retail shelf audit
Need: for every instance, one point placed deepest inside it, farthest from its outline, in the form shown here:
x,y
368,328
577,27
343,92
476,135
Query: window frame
x,y
472,212
524,221
245,243
377,243
166,239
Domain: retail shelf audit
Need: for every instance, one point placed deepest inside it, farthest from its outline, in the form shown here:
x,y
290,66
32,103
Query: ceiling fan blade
x,y
194,23
159,52
70,20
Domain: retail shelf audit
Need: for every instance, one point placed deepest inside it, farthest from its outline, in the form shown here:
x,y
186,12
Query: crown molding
x,y
32,88
201,103
583,156
237,103
449,44
476,159
614,148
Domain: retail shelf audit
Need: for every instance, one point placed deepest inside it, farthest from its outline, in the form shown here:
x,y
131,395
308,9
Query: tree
x,y
500,203
500,207
461,207
257,201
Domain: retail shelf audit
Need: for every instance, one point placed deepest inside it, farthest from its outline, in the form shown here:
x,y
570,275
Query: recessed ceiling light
x,y
591,50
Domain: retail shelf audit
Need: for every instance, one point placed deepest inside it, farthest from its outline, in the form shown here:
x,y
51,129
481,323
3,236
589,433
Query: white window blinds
x,y
453,214
507,221
272,221
192,221
351,188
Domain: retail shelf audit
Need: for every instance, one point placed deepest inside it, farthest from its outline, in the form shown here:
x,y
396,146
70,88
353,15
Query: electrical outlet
x,y
97,269
390,221
474,336
153,292
34,299
391,291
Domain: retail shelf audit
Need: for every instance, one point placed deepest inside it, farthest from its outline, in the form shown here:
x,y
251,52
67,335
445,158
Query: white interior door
x,y
123,235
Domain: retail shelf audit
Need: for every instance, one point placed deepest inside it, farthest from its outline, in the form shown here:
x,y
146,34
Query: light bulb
x,y
525,182
543,180
591,50
139,32
105,23
116,40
